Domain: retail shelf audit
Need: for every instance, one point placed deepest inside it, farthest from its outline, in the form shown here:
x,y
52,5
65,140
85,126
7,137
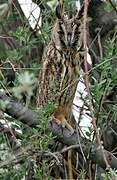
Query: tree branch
x,y
27,116
96,155
18,111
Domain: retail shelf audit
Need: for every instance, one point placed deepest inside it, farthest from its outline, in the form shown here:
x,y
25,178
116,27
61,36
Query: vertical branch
x,y
112,4
86,3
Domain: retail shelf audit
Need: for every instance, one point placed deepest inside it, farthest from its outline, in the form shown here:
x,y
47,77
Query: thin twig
x,y
100,46
113,5
90,173
86,3
68,148
80,144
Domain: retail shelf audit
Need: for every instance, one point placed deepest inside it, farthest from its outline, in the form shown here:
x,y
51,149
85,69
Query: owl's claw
x,y
64,124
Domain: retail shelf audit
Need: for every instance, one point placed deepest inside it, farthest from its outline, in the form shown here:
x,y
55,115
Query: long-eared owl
x,y
61,63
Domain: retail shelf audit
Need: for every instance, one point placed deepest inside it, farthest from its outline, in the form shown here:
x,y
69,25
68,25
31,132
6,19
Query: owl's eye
x,y
60,32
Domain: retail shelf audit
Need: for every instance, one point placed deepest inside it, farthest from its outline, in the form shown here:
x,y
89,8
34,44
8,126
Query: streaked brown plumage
x,y
61,63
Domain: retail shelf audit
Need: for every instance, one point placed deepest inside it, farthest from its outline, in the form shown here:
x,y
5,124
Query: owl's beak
x,y
69,45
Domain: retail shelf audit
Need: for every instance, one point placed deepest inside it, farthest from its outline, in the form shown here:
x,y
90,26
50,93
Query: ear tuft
x,y
81,11
59,10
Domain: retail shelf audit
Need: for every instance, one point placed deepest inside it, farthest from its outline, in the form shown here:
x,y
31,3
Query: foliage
x,y
39,139
12,174
106,85
109,175
25,85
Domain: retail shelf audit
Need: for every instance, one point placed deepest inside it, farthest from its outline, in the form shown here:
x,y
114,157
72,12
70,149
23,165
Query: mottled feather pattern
x,y
61,65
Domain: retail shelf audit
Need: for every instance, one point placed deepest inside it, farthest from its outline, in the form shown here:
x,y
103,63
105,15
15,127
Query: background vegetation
x,y
27,151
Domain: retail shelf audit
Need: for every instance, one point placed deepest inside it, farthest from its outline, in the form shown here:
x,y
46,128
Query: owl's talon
x,y
71,130
64,124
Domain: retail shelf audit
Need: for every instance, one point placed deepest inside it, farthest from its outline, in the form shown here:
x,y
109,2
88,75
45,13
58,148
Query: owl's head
x,y
67,32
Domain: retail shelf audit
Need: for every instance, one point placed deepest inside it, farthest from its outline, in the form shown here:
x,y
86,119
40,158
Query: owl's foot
x,y
63,122
67,125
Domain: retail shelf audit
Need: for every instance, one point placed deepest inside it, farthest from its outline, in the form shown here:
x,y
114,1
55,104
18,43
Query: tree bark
x,y
27,116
